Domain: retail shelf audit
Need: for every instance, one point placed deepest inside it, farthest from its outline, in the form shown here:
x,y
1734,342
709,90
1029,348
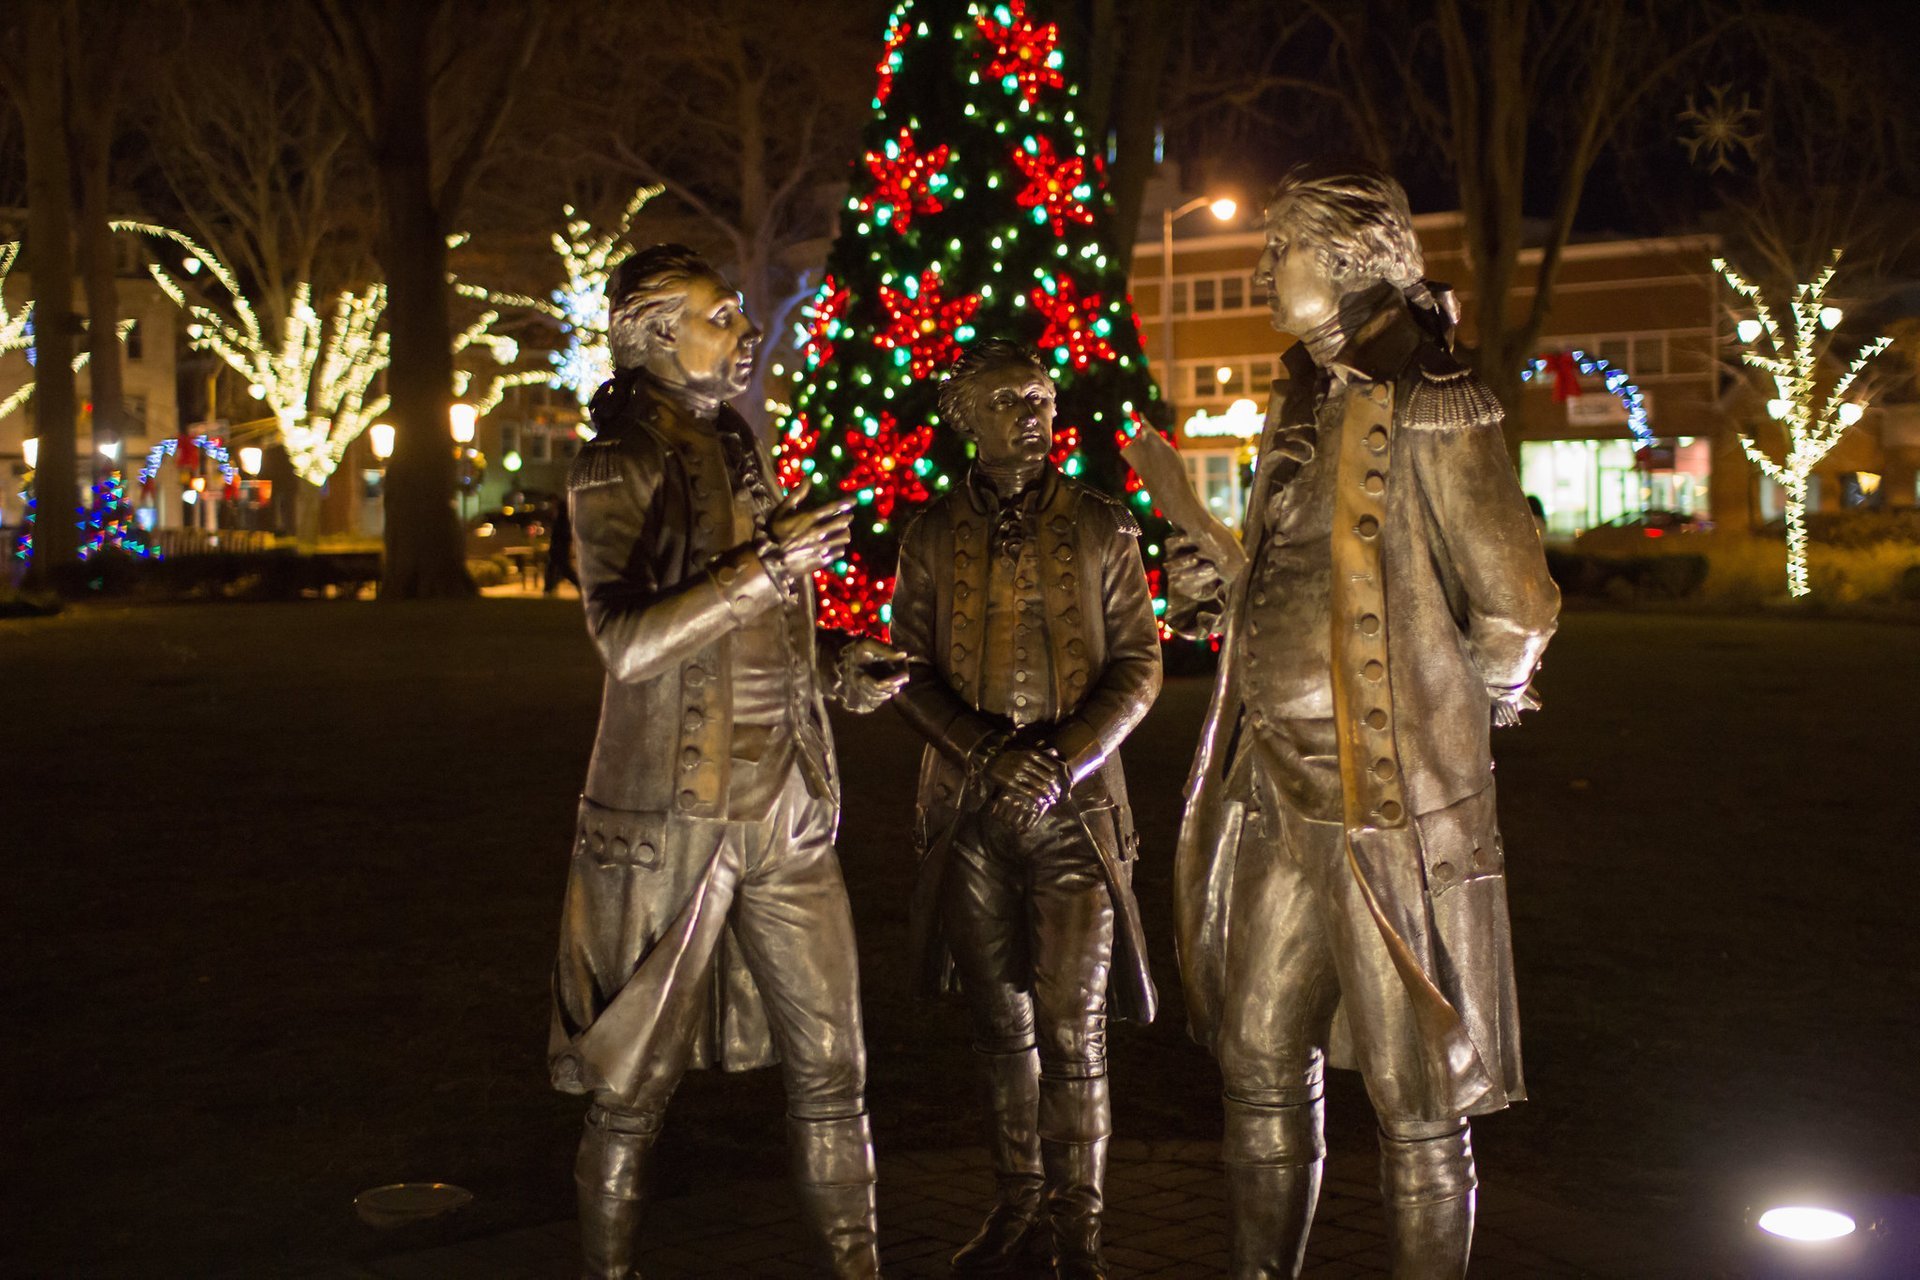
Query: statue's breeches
x,y
1301,947
773,897
1029,920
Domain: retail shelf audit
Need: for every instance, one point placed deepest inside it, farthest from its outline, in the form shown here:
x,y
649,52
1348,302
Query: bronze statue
x,y
1023,608
1339,884
705,920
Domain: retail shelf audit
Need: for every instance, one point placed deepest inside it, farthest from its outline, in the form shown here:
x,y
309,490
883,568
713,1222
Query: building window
x,y
1179,297
1216,475
136,410
509,438
1203,295
1649,354
134,342
1233,293
1617,352
538,446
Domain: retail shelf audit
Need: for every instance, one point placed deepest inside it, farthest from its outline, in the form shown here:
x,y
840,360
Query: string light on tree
x,y
1813,418
973,110
317,380
16,333
588,259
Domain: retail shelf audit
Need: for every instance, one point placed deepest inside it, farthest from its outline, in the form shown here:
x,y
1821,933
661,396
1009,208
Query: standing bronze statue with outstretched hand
x,y
706,922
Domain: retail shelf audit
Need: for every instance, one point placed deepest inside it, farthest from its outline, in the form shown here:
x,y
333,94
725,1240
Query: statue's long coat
x,y
666,578
1451,593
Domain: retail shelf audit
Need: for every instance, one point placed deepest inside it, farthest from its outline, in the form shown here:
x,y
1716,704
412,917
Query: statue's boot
x,y
1274,1157
1427,1182
1075,1123
833,1173
609,1173
1011,1230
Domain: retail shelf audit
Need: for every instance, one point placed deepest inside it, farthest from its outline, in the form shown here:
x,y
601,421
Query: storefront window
x,y
1583,483
1216,476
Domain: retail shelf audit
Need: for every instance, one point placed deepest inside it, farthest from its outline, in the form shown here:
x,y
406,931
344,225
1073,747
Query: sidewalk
x,y
1166,1217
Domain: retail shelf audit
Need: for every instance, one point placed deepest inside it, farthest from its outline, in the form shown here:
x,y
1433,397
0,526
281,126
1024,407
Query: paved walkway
x,y
1166,1217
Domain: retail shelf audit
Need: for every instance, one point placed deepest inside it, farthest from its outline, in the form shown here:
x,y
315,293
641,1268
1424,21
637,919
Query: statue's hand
x,y
1029,782
809,540
1509,703
1189,572
870,673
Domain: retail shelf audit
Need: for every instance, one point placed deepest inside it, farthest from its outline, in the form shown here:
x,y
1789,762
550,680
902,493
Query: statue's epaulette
x,y
597,464
1447,396
1122,517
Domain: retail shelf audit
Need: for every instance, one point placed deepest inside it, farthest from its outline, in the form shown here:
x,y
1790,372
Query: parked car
x,y
1630,534
508,529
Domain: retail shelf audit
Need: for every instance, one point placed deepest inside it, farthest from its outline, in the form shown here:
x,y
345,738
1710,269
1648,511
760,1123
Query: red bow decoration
x,y
1566,375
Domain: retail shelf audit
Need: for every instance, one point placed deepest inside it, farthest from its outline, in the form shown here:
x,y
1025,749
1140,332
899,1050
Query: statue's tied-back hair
x,y
1356,217
647,293
957,397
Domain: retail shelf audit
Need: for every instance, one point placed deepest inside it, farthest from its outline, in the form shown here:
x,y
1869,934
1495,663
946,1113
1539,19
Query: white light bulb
x,y
1224,208
30,450
1805,1223
251,458
380,436
461,418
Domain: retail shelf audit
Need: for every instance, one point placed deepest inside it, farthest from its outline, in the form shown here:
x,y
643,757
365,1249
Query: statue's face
x,y
1301,291
1011,420
712,343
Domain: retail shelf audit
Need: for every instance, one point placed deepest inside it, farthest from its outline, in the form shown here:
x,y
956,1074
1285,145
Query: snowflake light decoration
x,y
884,469
1720,127
922,322
905,182
822,322
1057,187
898,29
853,599
1025,55
1076,329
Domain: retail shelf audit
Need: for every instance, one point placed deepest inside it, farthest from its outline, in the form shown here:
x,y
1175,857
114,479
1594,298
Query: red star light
x,y
1073,322
852,601
923,321
883,462
1065,441
1061,187
1022,51
904,181
795,445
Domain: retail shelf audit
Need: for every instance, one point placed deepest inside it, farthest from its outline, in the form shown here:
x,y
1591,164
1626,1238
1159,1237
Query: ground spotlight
x,y
1805,1223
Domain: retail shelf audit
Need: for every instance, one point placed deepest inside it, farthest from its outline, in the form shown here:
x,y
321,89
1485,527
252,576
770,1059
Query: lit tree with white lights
x,y
1813,418
16,331
579,305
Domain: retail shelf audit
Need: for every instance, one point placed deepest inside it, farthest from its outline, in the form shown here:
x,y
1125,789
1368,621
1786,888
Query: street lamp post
x,y
1223,208
461,420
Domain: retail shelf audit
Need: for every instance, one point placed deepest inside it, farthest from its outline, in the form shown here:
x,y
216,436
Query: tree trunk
x,y
1135,118
49,253
105,374
425,556
306,514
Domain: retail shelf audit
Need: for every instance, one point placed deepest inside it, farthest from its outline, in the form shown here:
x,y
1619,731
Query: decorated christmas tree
x,y
977,210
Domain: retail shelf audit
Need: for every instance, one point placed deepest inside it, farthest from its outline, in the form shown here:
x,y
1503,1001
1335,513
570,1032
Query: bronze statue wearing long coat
x,y
1340,890
705,920
1023,609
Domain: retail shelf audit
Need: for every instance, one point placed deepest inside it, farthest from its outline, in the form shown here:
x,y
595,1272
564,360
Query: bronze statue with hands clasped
x,y
706,922
1023,608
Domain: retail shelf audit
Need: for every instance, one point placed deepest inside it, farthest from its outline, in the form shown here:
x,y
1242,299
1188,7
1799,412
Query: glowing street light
x,y
1806,1224
512,461
251,458
110,450
380,435
1222,208
461,418
30,449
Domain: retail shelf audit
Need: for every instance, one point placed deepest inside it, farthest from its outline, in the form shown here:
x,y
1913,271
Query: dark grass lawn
x,y
282,883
